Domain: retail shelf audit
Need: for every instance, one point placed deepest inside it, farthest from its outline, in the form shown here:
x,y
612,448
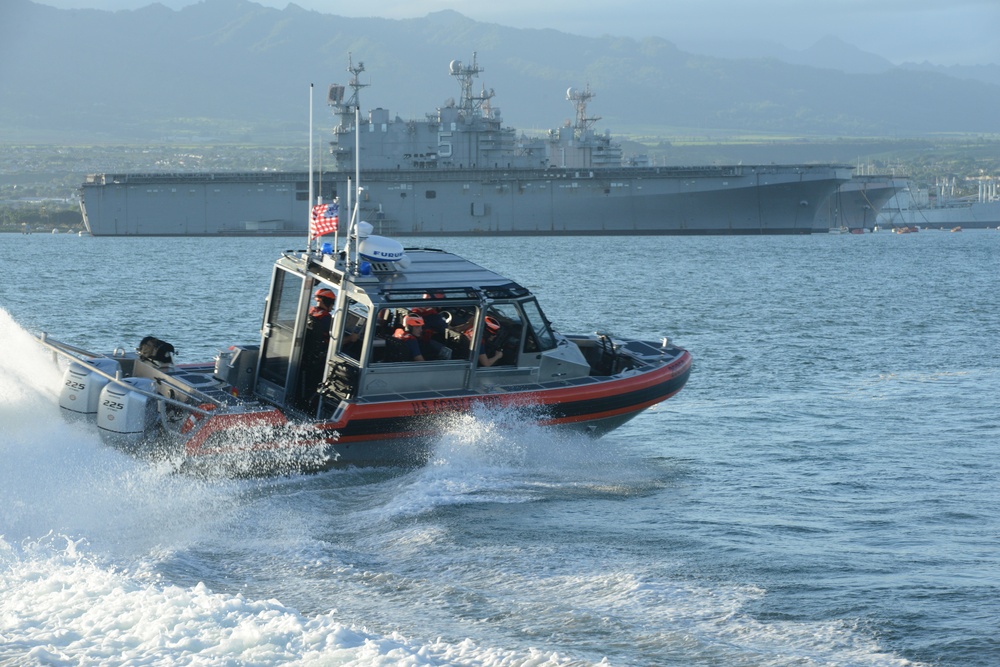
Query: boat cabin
x,y
469,315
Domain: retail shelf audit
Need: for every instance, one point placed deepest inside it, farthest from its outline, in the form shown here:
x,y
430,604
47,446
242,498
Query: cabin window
x,y
352,335
431,194
443,336
285,296
511,333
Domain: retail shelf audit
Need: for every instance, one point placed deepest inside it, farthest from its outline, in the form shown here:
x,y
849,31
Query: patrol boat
x,y
252,412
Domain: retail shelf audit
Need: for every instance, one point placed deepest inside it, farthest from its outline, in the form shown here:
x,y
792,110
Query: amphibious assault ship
x,y
460,171
856,205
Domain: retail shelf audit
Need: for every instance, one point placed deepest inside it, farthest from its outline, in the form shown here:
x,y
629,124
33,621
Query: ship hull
x,y
855,205
703,200
206,204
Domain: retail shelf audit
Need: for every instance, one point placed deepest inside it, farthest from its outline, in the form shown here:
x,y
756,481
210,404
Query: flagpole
x,y
319,174
350,223
333,199
309,207
356,217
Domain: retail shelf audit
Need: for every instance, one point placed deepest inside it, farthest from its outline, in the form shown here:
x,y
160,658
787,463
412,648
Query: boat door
x,y
287,299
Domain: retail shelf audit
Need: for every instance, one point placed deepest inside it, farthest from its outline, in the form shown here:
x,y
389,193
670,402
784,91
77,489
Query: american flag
x,y
324,219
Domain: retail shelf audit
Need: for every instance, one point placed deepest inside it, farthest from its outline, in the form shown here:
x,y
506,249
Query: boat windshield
x,y
538,326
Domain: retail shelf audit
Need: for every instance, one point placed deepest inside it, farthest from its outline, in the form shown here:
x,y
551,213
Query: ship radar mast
x,y
335,97
579,98
471,103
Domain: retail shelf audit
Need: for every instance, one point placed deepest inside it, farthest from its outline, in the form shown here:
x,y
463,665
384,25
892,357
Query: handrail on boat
x,y
71,352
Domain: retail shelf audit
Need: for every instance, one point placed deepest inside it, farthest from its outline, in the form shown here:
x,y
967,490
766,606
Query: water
x,y
823,492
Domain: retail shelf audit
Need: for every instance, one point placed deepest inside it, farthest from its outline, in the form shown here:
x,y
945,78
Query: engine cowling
x,y
80,395
126,417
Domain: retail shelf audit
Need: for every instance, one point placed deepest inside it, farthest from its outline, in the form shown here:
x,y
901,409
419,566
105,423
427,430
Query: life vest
x,y
319,313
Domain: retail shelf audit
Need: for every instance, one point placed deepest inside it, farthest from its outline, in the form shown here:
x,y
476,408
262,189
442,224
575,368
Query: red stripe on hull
x,y
413,419
569,394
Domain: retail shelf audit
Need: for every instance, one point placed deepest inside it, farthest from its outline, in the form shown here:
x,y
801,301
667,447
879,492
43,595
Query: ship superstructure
x,y
461,171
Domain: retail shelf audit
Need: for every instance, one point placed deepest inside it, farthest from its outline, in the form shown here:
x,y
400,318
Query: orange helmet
x,y
492,325
326,294
413,321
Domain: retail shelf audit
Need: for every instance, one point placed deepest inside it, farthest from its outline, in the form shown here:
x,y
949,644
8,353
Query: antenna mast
x,y
472,103
355,83
579,98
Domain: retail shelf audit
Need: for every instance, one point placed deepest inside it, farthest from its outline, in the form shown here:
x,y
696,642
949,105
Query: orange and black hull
x,y
400,431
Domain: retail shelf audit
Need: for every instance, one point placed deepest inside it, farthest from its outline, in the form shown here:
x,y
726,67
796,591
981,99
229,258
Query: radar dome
x,y
570,93
455,66
381,249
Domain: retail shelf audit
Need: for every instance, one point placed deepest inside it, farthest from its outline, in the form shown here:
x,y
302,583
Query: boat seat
x,y
396,350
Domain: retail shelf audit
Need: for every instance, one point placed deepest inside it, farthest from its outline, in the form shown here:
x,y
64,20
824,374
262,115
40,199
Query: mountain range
x,y
233,70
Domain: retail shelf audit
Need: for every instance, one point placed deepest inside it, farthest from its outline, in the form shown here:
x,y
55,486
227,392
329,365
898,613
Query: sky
x,y
942,32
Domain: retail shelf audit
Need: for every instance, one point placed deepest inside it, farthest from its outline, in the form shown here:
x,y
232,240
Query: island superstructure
x,y
461,171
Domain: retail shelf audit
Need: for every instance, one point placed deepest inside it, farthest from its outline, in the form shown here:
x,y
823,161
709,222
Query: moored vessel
x,y
460,171
941,209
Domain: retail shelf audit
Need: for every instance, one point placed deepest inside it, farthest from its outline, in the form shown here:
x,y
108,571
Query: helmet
x,y
324,293
492,325
413,321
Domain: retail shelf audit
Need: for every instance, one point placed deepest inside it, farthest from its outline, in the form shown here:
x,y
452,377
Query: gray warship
x,y
856,205
460,171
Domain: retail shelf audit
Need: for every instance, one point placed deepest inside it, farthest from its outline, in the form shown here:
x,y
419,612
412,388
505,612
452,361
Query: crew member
x,y
491,331
315,343
432,338
434,324
408,338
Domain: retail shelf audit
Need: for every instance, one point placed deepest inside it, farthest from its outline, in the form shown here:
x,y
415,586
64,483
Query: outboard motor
x,y
126,417
81,390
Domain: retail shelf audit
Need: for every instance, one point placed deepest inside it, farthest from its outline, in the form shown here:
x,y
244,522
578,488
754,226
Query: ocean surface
x,y
825,490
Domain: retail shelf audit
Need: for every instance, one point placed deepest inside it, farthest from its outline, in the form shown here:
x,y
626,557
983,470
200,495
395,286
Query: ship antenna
x,y
579,98
355,82
309,224
471,103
